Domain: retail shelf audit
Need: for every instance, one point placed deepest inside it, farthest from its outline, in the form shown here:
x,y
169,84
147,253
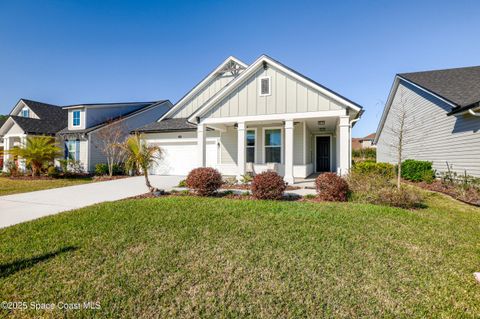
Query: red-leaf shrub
x,y
204,181
331,187
268,185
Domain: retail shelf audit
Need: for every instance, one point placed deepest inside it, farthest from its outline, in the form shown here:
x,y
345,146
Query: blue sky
x,y
65,52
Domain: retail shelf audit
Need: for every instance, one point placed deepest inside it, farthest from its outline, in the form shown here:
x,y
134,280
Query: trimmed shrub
x,y
102,169
386,169
417,171
268,185
204,181
52,171
331,187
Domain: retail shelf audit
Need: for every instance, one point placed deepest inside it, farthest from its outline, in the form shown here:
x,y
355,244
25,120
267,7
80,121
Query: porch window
x,y
251,136
76,118
273,146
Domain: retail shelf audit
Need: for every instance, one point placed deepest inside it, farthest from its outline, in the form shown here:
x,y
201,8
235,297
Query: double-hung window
x,y
72,150
273,146
251,137
76,118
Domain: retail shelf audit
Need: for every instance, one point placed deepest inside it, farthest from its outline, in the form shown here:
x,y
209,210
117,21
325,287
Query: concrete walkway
x,y
18,208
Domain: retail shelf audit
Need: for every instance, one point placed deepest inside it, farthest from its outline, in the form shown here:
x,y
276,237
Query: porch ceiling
x,y
315,125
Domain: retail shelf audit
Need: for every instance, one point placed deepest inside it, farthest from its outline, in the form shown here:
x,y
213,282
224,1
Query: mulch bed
x,y
247,187
470,196
43,177
220,195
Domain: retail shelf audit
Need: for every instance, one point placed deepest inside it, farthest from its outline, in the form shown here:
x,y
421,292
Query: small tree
x,y
400,128
140,156
108,141
37,151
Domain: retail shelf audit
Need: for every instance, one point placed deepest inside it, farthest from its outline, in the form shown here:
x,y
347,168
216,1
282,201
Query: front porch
x,y
295,147
8,143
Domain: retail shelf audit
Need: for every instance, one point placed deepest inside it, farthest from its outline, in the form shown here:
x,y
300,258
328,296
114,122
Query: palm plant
x,y
37,151
140,156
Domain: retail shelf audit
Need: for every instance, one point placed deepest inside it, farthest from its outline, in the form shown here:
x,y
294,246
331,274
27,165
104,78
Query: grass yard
x,y
14,186
196,257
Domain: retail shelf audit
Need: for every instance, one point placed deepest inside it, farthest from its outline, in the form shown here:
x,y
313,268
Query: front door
x,y
323,154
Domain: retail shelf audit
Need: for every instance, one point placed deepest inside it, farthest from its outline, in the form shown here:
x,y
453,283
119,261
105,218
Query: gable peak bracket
x,y
265,65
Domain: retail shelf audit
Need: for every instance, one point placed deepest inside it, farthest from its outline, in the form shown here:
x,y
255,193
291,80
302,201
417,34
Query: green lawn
x,y
194,257
14,186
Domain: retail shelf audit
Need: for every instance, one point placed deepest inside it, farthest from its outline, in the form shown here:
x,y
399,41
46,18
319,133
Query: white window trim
x,y
315,152
281,142
79,118
255,156
74,149
269,78
25,109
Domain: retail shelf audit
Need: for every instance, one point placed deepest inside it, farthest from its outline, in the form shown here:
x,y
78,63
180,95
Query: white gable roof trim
x,y
200,85
251,70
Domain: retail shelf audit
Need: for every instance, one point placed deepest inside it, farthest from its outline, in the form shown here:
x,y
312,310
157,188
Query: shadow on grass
x,y
11,268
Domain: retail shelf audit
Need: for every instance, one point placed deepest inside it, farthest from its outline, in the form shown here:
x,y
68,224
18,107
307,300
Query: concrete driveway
x,y
23,207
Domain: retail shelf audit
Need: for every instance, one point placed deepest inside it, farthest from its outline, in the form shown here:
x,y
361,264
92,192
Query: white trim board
x,y
251,70
273,117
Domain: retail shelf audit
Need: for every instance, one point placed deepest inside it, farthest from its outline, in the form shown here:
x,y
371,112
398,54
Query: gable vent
x,y
265,86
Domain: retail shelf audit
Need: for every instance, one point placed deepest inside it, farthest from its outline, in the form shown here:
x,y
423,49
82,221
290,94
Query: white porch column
x,y
289,152
6,156
201,144
241,149
22,166
344,144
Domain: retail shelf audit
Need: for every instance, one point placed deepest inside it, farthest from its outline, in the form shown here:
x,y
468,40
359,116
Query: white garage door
x,y
180,159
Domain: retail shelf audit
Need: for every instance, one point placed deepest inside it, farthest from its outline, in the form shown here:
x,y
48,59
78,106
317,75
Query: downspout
x,y
472,112
350,143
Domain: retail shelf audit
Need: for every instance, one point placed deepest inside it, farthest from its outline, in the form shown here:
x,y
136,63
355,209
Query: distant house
x,y
443,109
76,127
359,143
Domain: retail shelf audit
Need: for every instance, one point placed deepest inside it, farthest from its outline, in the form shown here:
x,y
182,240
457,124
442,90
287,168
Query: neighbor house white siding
x,y
435,137
287,96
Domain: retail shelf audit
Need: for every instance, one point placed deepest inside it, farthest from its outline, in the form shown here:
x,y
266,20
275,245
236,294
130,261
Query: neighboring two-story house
x,y
76,127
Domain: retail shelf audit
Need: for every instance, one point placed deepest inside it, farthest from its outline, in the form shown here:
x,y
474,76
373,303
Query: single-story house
x,y
442,119
76,127
243,118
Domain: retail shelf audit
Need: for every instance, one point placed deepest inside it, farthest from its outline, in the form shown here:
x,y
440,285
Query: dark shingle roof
x,y
2,121
168,125
52,118
65,130
36,126
460,86
47,111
